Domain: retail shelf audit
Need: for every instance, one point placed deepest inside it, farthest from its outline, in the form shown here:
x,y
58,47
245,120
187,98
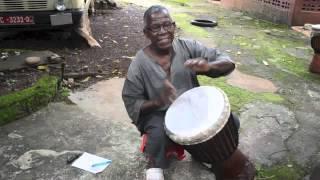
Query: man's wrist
x,y
150,106
157,103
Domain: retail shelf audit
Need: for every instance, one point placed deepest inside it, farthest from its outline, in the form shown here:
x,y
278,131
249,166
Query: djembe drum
x,y
200,121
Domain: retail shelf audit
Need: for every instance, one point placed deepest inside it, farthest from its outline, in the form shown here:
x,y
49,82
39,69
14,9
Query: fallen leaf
x,y
115,42
238,53
105,58
304,48
267,31
70,80
86,79
44,67
265,63
128,57
272,60
4,57
99,76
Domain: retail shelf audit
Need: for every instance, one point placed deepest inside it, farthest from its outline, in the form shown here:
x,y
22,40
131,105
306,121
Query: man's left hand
x,y
198,65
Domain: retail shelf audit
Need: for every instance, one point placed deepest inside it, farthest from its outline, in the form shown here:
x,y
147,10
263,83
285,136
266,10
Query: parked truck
x,y
21,15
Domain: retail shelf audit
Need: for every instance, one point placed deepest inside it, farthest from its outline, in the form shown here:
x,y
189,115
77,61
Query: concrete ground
x,y
37,147
97,123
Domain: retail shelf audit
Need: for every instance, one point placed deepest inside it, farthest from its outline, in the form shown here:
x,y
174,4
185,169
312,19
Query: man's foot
x,y
154,174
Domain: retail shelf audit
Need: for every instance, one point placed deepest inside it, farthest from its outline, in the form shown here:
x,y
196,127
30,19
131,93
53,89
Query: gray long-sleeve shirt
x,y
145,76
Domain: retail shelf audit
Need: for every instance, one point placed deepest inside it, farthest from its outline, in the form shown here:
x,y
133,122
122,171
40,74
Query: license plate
x,y
61,19
16,20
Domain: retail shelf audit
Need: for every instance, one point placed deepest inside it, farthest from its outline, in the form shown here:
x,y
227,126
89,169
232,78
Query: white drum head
x,y
197,115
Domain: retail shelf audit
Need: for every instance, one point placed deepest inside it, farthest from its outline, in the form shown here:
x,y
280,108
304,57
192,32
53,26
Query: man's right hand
x,y
167,95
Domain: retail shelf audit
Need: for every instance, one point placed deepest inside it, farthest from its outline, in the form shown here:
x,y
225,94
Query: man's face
x,y
160,30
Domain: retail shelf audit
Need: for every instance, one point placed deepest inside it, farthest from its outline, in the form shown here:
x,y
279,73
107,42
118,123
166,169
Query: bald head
x,y
154,10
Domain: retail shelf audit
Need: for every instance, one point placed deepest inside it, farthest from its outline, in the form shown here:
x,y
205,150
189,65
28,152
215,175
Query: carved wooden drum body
x,y
200,121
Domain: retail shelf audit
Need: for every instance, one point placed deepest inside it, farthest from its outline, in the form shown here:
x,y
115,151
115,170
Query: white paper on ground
x,y
86,160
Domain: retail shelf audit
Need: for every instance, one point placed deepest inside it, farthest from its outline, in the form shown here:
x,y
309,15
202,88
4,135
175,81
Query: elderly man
x,y
160,72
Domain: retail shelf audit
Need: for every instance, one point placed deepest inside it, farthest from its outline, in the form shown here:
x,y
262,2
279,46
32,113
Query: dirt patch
x,y
251,83
119,32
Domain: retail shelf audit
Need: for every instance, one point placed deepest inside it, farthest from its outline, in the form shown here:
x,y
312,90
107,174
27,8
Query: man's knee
x,y
154,129
157,136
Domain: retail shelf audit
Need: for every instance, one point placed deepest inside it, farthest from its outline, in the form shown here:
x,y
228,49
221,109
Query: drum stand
x,y
237,167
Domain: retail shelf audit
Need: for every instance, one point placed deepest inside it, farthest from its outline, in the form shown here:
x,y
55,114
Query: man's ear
x,y
146,33
174,24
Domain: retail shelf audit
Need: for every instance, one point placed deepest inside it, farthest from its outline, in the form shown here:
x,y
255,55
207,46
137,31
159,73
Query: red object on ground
x,y
315,64
174,150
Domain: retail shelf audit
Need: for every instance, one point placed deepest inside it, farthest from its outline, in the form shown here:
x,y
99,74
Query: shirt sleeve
x,y
133,93
196,50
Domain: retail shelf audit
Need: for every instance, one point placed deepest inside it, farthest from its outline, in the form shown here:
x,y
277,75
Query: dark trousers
x,y
158,141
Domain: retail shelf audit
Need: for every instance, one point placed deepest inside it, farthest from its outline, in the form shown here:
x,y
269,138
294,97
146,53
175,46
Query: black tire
x,y
204,23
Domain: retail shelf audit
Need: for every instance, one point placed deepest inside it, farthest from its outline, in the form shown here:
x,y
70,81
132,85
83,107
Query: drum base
x,y
237,167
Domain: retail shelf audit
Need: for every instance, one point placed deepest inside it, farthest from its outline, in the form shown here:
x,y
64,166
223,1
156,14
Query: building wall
x,y
291,12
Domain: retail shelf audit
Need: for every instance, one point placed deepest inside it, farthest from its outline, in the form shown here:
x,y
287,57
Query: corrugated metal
x,y
16,5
